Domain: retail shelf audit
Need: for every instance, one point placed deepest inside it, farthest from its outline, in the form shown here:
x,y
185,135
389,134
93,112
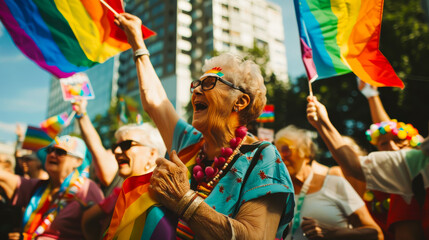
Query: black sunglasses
x,y
58,151
125,145
209,83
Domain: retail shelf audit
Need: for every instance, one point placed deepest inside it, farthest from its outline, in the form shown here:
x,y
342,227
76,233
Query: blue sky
x,y
24,85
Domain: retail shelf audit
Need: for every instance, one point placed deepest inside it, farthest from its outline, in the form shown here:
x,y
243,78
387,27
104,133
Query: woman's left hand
x,y
169,181
312,229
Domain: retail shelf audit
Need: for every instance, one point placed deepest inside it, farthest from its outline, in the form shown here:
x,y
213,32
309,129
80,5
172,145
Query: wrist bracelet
x,y
181,206
79,116
140,52
192,208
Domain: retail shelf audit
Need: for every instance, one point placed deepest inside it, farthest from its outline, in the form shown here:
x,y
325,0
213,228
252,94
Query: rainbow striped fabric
x,y
53,125
267,114
35,139
137,216
65,37
344,36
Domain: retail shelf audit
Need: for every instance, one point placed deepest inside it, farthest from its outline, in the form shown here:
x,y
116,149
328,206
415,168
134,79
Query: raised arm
x,y
104,161
378,113
152,93
343,154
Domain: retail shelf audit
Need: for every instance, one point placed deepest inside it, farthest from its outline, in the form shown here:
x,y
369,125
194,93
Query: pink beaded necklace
x,y
210,174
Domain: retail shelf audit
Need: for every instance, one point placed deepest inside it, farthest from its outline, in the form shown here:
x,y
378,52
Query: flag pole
x,y
69,119
109,7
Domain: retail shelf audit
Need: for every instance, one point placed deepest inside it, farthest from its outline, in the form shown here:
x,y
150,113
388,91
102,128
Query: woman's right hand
x,y
132,26
79,106
316,112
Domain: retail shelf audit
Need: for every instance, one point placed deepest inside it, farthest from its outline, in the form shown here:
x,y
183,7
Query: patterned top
x,y
269,176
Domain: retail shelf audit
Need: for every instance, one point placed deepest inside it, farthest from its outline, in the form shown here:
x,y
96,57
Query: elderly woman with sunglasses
x,y
54,207
221,183
136,149
326,204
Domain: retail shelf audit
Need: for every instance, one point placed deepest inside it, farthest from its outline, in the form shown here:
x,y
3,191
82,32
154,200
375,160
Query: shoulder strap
x,y
249,170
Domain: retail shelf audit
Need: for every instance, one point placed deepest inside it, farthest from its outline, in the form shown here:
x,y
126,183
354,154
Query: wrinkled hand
x,y
316,112
132,28
313,229
169,181
366,89
79,106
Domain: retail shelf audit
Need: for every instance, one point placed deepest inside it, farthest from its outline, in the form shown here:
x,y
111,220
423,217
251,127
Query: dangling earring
x,y
236,109
147,167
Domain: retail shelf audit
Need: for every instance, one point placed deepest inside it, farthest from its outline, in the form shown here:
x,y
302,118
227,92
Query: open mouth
x,y
200,106
122,162
53,162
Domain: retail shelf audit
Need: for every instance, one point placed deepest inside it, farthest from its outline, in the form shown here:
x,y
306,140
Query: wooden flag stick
x,y
69,119
109,7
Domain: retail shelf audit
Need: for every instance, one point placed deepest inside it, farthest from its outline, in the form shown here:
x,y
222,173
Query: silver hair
x,y
148,134
303,139
246,74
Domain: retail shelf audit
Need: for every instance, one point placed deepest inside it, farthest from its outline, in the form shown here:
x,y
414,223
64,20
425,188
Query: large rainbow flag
x,y
344,37
65,36
53,125
35,139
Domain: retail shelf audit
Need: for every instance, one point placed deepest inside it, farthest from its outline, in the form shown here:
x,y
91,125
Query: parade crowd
x,y
217,178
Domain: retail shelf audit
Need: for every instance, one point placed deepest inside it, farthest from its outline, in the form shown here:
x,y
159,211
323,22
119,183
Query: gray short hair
x,y
246,74
149,135
303,139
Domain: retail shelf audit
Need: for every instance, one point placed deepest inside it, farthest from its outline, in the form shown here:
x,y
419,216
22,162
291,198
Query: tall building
x,y
103,78
169,49
231,26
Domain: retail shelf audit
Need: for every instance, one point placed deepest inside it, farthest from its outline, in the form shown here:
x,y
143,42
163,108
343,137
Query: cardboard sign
x,y
266,134
76,87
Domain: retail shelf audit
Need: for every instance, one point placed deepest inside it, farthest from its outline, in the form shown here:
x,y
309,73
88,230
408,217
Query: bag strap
x,y
250,169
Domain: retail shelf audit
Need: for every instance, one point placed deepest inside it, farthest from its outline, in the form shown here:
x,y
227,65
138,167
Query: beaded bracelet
x,y
79,116
192,208
140,52
184,201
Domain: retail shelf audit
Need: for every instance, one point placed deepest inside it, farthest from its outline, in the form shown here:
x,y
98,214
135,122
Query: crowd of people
x,y
216,177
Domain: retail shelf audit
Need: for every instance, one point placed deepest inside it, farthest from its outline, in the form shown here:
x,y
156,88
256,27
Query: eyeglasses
x,y
125,145
58,151
209,83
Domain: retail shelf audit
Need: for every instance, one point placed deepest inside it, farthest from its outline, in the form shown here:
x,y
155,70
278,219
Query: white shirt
x,y
331,205
393,171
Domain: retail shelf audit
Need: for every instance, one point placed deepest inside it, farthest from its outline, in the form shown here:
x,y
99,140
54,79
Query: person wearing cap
x,y
404,172
54,207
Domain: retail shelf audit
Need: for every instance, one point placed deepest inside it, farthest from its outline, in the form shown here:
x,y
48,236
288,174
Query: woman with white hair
x,y
231,187
326,204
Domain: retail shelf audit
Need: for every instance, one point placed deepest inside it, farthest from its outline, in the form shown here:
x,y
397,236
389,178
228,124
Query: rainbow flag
x,y
267,114
138,216
65,37
53,125
344,37
35,139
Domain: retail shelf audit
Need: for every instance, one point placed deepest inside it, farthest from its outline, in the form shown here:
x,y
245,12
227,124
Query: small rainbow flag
x,y
267,115
138,216
344,37
65,37
53,125
35,139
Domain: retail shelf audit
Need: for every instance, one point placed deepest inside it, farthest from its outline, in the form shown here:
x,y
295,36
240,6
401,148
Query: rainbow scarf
x,y
53,125
137,215
344,37
65,37
35,139
41,212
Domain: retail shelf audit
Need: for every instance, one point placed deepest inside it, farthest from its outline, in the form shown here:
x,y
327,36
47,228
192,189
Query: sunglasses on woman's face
x,y
125,145
58,151
209,83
